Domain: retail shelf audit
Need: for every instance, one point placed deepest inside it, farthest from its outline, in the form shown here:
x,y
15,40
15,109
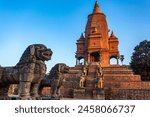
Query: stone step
x,y
128,85
135,85
88,93
122,78
128,94
116,71
121,69
79,93
91,75
117,67
99,94
118,75
89,78
90,83
92,71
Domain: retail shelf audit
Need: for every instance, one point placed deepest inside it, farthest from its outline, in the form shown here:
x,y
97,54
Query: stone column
x,y
76,61
117,60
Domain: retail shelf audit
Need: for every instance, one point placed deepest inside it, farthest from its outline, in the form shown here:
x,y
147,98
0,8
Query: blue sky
x,y
59,23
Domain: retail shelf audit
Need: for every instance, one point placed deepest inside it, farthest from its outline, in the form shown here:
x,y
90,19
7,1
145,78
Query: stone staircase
x,y
121,83
72,89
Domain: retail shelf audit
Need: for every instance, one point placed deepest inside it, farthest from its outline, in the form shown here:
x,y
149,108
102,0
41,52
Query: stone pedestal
x,y
89,93
99,94
79,93
4,93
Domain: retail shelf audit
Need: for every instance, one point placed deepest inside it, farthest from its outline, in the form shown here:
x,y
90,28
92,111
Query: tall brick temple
x,y
97,45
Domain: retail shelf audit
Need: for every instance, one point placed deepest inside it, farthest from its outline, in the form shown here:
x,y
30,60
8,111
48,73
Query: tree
x,y
140,60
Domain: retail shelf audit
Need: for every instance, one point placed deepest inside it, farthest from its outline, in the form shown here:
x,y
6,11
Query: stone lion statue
x,y
28,72
54,79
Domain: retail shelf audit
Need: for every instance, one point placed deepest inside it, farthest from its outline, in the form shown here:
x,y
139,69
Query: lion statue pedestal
x,y
28,72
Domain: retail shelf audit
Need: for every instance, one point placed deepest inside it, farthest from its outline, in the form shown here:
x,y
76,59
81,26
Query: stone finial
x,y
82,36
96,8
112,35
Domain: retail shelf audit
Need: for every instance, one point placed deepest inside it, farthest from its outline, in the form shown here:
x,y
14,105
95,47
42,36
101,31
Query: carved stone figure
x,y
84,74
100,83
28,72
99,79
82,81
54,79
85,69
99,70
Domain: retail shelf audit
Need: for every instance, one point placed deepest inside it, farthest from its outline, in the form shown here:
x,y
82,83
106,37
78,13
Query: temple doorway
x,y
95,57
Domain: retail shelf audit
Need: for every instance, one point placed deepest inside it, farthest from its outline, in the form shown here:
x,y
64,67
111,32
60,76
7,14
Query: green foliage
x,y
140,60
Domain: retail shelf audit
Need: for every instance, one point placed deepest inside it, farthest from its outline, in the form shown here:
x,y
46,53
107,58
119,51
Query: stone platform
x,y
119,83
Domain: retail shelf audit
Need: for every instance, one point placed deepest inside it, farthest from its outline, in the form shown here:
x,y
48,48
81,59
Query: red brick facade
x,y
96,45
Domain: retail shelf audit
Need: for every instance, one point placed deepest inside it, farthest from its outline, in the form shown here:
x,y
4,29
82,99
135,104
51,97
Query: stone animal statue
x,y
28,72
99,72
99,77
85,69
54,79
82,81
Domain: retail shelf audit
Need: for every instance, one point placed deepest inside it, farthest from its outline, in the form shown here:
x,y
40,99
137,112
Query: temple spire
x,y
96,8
82,36
112,35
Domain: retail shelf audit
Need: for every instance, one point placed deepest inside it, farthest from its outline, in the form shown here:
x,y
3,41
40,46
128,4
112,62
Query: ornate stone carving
x,y
28,72
82,81
84,74
100,83
85,69
99,70
54,79
99,79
